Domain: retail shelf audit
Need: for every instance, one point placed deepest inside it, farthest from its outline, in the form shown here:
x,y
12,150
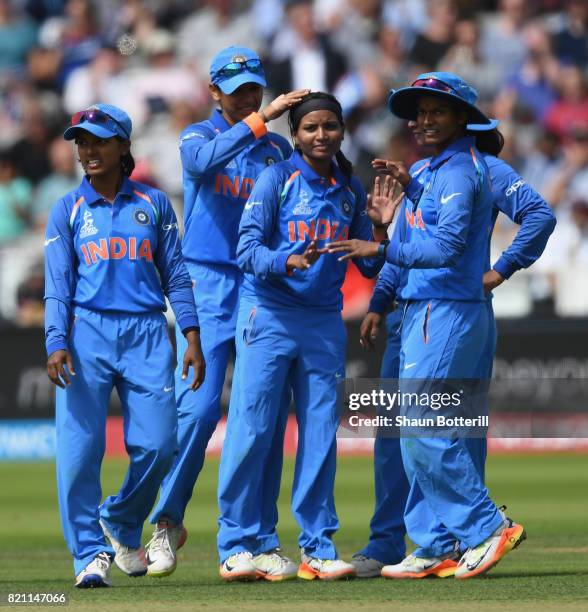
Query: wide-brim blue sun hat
x,y
404,102
102,120
246,65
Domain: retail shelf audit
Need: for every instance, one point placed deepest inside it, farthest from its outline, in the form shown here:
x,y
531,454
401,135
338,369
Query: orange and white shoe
x,y
239,567
422,567
324,569
485,556
167,539
131,561
275,566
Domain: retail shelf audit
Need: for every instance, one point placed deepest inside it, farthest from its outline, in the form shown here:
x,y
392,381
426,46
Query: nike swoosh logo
x,y
250,204
410,365
50,240
166,389
445,199
473,566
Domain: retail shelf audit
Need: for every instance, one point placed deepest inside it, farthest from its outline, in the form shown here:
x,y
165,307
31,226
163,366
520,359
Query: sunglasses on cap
x,y
434,84
234,68
98,117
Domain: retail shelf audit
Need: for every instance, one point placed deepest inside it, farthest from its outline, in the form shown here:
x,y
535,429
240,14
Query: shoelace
x,y
160,541
103,561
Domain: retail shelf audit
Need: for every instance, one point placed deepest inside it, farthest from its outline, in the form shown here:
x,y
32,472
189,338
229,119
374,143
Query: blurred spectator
x,y
464,58
408,17
210,29
502,41
570,41
529,92
158,146
541,163
354,26
63,178
432,44
162,81
304,57
102,80
390,59
30,299
18,35
570,181
570,111
571,285
15,200
31,150
68,42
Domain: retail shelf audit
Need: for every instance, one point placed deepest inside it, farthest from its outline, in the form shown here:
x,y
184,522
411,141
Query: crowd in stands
x,y
528,60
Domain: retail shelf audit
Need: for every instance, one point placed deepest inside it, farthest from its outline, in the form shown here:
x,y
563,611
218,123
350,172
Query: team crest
x,y
141,217
270,161
302,208
346,207
88,229
241,59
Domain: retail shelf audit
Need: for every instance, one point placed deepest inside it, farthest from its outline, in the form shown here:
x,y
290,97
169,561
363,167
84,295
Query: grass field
x,y
547,493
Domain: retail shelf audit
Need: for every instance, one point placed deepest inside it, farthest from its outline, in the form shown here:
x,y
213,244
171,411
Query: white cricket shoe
x,y
422,567
324,569
273,566
161,549
366,567
131,561
97,574
486,555
239,567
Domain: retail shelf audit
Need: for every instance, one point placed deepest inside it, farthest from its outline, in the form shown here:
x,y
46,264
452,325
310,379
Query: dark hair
x,y
329,102
491,142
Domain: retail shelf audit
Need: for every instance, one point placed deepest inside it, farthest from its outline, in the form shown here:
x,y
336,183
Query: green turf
x,y
548,494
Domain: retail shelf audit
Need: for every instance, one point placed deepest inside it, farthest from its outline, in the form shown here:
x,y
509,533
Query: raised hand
x,y
304,261
384,200
282,103
396,169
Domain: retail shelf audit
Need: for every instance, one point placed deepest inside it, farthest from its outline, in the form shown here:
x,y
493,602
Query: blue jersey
x,y
220,165
511,196
289,207
447,247
119,257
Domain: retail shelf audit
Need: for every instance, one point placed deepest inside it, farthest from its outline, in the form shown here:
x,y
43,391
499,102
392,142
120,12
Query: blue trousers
x,y
216,291
277,347
448,500
133,354
387,529
387,525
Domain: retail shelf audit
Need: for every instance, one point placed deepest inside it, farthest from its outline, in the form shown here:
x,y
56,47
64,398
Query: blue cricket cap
x,y
403,102
102,120
236,55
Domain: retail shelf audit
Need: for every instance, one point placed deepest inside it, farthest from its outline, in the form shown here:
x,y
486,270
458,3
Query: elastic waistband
x,y
118,315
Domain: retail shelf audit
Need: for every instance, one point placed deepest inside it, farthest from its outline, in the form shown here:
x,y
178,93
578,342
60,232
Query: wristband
x,y
383,248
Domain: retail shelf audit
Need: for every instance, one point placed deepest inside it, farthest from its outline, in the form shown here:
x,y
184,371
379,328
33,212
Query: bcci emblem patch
x,y
346,207
241,59
270,161
141,217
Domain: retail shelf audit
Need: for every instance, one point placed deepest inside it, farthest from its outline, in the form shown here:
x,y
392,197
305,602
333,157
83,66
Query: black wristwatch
x,y
383,248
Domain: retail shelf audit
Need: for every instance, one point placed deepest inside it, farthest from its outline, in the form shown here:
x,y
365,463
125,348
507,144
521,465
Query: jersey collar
x,y
309,174
457,146
91,196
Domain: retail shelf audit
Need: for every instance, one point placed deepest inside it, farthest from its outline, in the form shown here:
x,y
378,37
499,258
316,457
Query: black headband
x,y
314,104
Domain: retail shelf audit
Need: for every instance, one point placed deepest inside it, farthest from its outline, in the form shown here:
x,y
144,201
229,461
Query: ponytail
x,y
344,164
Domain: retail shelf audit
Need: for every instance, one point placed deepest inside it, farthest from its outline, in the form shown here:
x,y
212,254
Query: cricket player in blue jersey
x,y
112,253
221,159
290,331
524,206
445,328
